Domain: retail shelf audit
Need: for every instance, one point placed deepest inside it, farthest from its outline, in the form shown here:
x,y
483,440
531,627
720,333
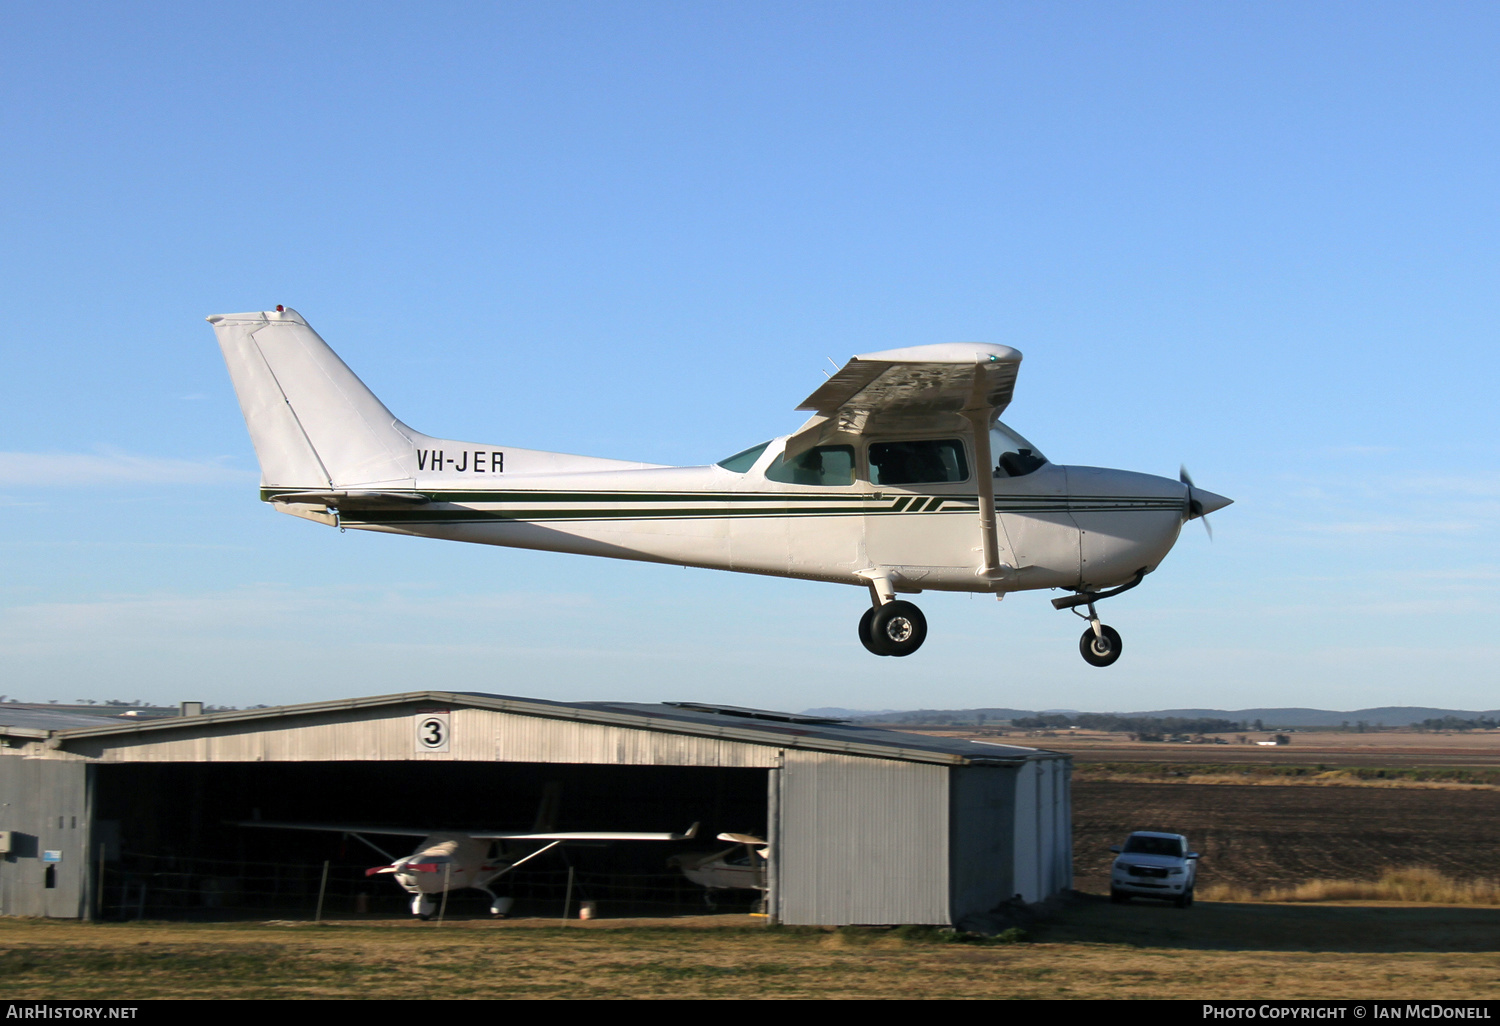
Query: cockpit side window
x,y
926,461
821,465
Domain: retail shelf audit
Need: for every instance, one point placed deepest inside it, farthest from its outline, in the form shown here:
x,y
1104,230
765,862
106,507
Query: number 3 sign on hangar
x,y
433,730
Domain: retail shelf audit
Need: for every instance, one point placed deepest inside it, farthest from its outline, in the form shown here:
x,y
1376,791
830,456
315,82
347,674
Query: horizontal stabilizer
x,y
355,500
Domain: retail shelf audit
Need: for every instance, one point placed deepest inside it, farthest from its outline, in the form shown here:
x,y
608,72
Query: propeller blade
x,y
1195,505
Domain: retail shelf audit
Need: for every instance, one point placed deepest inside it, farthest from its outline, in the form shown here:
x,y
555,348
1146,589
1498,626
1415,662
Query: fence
x,y
141,886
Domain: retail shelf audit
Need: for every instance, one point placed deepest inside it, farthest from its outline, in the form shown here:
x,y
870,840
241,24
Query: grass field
x,y
1090,949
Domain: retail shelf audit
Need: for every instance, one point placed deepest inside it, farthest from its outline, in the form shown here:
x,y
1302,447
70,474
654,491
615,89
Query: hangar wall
x,y
861,841
46,807
983,803
387,733
1043,862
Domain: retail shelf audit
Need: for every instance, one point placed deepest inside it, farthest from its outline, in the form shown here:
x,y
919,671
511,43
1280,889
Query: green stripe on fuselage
x,y
453,507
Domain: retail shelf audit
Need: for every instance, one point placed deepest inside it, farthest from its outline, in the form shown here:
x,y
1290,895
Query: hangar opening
x,y
177,845
858,825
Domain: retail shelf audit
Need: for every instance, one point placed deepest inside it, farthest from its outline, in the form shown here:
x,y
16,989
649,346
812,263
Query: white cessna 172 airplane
x,y
902,480
451,860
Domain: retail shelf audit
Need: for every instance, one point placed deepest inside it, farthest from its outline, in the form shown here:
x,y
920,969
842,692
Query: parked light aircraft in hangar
x,y
452,860
903,480
742,867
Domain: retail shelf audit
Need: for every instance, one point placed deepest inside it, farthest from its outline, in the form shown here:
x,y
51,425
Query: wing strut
x,y
361,837
528,858
979,411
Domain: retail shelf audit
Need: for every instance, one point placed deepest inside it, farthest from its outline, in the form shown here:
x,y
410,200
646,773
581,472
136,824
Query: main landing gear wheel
x,y
865,637
1100,651
894,629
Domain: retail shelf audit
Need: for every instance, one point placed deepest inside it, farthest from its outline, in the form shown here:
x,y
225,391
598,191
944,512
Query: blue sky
x,y
1260,240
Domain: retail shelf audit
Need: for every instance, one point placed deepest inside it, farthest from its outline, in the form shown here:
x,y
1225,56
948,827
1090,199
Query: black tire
x,y
1118,897
899,628
866,638
1186,900
1100,651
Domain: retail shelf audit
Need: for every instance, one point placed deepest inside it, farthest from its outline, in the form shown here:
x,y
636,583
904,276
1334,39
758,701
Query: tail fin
x,y
313,423
547,808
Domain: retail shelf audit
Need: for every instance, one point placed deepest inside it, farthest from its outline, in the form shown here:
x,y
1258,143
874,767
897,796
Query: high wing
x,y
917,388
952,386
480,835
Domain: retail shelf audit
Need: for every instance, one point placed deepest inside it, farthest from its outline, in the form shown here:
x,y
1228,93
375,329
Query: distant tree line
x,y
1454,723
1128,724
940,717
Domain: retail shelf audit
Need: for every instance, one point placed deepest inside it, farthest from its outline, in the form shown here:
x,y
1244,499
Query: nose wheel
x,y
1100,644
1100,649
893,629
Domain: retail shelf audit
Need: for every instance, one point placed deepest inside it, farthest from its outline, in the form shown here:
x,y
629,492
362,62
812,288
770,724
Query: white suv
x,y
1152,865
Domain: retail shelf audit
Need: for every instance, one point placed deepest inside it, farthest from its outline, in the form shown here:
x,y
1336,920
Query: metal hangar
x,y
866,826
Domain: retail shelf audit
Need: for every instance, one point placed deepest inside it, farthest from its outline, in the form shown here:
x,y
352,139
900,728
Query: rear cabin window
x,y
929,461
743,461
823,465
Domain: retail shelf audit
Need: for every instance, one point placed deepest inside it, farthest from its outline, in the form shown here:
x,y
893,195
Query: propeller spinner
x,y
1201,502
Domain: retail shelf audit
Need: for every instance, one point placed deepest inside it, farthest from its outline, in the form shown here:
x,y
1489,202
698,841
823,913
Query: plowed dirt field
x,y
1262,835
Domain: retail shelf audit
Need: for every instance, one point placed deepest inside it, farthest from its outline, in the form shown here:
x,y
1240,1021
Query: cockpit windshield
x,y
1014,456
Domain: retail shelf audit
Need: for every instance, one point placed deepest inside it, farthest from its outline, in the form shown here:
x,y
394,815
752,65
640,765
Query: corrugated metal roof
x,y
849,739
22,722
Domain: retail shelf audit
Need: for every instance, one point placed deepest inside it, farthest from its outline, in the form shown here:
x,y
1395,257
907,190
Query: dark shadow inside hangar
x,y
171,842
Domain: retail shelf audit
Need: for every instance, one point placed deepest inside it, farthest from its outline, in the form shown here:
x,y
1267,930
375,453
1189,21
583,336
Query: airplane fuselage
x,y
903,480
1058,527
445,862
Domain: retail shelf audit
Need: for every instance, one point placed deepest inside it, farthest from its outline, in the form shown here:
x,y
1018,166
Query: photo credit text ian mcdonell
x,y
1347,1010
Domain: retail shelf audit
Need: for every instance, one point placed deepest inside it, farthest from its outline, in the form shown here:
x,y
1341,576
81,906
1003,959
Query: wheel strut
x,y
1100,644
